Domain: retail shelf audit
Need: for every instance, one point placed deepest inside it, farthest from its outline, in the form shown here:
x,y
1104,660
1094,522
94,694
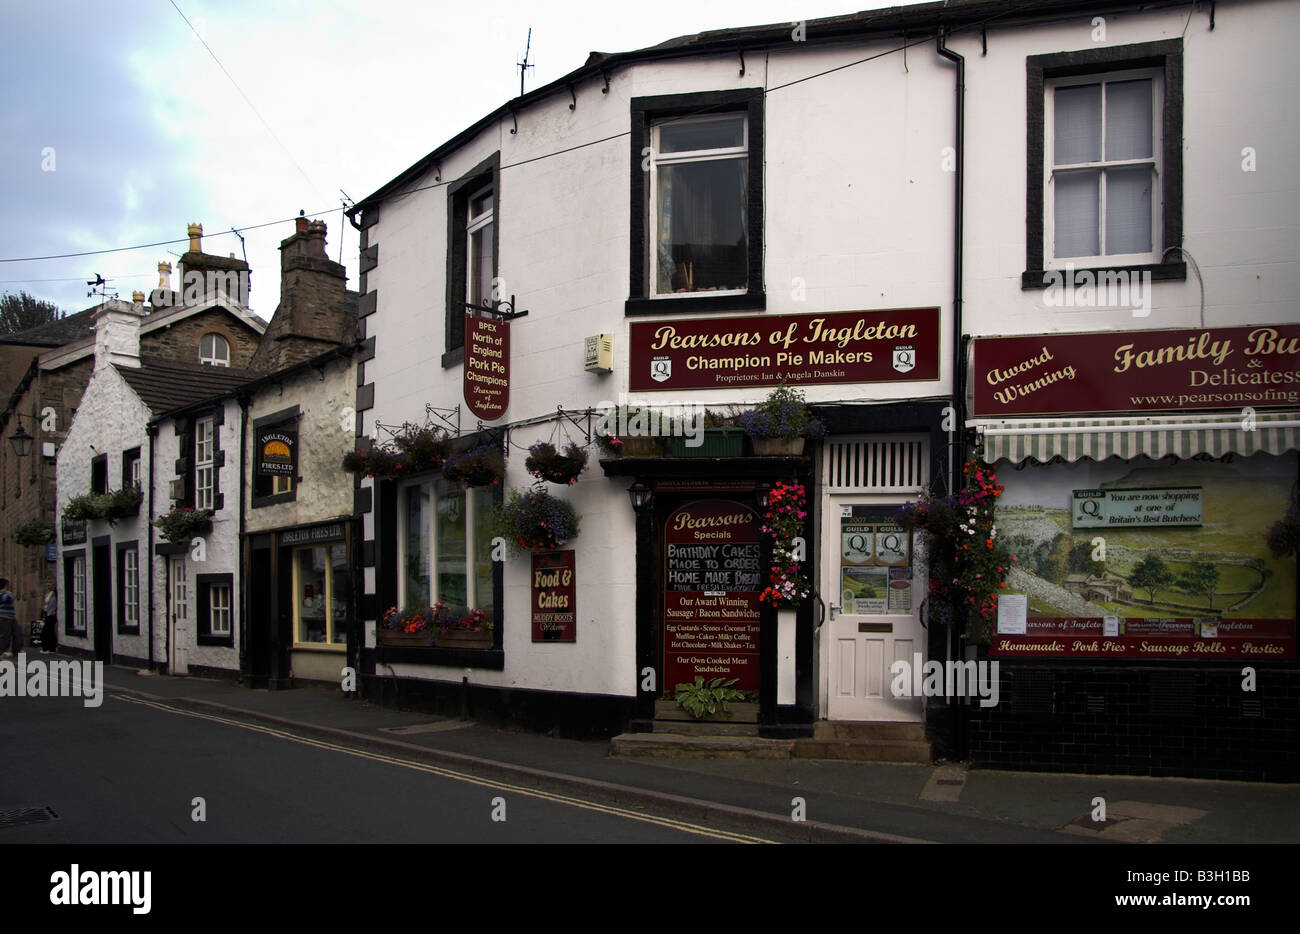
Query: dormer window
x,y
214,350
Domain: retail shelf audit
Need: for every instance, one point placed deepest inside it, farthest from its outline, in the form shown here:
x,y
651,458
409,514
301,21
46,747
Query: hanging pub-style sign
x,y
487,365
277,451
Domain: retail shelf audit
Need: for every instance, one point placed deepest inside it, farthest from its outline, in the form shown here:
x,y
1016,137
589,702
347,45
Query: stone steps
x,y
847,741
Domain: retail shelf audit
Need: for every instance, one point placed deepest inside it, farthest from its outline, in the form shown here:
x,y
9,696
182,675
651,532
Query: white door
x,y
871,584
179,602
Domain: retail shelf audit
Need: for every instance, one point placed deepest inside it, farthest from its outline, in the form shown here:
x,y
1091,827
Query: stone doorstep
x,y
864,750
869,730
679,745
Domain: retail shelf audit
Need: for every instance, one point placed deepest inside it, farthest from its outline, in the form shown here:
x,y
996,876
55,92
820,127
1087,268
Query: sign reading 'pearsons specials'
x,y
487,366
555,590
763,350
712,580
1137,371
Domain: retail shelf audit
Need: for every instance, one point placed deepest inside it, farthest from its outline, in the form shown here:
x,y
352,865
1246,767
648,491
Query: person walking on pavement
x,y
11,637
50,617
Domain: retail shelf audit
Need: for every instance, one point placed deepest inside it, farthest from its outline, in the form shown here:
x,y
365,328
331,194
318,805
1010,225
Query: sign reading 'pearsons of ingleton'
x,y
487,366
763,350
1135,509
555,590
712,578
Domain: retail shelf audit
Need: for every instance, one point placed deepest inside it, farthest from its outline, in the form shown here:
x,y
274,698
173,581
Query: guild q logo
x,y
661,369
904,359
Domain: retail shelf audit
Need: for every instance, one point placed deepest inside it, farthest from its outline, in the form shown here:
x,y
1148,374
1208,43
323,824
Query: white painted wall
x,y
858,204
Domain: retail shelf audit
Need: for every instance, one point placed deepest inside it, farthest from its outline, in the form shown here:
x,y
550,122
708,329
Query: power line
x,y
243,95
133,275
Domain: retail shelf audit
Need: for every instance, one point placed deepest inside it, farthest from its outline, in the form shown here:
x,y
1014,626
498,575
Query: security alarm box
x,y
598,353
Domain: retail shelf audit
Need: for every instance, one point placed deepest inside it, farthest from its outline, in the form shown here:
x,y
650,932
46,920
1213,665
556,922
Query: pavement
x,y
790,800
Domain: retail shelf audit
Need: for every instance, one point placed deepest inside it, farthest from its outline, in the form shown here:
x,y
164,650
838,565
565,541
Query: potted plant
x,y
183,523
780,423
702,700
479,466
82,507
629,431
546,463
34,532
535,520
462,627
375,462
121,504
718,436
788,579
406,627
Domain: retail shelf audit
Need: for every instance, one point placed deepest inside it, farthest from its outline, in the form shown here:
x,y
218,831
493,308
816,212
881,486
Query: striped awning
x,y
1098,439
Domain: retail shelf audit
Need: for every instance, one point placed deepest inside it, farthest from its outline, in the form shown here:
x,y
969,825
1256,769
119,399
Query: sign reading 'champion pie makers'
x,y
1138,371
763,350
487,366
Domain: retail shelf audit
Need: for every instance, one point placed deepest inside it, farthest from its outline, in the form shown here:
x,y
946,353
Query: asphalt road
x,y
129,772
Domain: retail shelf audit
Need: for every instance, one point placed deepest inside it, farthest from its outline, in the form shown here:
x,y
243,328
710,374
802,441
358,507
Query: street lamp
x,y
21,440
640,495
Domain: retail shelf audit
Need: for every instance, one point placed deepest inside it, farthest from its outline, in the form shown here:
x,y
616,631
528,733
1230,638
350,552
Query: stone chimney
x,y
117,333
204,277
313,314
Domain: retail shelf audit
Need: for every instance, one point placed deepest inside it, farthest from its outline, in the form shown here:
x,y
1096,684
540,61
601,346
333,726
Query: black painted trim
x,y
203,609
369,257
365,397
369,217
1167,55
99,474
361,500
120,577
367,350
368,304
274,418
645,110
69,559
458,193
1042,278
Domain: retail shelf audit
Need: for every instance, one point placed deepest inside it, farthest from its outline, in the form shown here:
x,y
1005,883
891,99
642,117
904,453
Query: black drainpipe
x,y
148,512
955,645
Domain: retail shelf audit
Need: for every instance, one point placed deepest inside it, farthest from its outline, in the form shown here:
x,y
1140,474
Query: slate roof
x,y
65,330
165,385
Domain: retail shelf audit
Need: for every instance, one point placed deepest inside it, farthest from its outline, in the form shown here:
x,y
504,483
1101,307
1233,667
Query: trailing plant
x,y
968,565
183,523
422,447
408,620
701,700
107,507
479,466
34,532
81,507
545,462
375,462
535,520
787,508
435,619
782,414
610,444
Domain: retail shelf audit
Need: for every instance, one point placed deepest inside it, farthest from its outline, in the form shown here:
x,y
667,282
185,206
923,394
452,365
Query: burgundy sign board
x,y
555,590
1172,639
487,366
763,350
1137,371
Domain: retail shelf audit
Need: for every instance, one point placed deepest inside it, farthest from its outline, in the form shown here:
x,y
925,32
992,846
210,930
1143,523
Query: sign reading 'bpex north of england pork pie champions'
x,y
487,366
763,350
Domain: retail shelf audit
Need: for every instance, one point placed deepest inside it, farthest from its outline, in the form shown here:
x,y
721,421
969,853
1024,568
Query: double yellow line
x,y
495,785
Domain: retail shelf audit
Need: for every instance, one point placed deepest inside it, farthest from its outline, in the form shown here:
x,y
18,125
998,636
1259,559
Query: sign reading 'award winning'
x,y
487,366
840,347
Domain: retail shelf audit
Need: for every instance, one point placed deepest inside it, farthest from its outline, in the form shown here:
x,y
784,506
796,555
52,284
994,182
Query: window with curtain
x,y
1103,168
447,546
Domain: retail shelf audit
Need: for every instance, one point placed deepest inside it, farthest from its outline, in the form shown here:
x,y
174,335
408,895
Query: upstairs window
x,y
214,350
473,238
99,474
480,248
204,470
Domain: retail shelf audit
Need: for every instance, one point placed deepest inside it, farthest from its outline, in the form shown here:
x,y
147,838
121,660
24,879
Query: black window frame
x,y
99,474
486,174
69,561
186,442
1165,55
122,548
129,457
646,111
257,499
202,597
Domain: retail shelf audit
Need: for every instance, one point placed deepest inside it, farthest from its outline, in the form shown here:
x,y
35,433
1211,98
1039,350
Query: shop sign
x,y
712,579
310,536
487,366
74,533
555,594
764,350
1132,509
1151,638
277,451
1137,371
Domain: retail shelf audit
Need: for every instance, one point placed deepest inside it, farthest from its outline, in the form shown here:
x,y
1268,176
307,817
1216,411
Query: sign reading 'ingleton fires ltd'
x,y
712,580
487,365
1137,371
762,350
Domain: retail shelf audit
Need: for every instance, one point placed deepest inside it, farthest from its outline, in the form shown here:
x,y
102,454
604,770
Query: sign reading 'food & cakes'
x,y
764,350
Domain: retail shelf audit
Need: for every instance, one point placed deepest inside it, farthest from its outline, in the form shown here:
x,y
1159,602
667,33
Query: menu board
x,y
712,579
875,563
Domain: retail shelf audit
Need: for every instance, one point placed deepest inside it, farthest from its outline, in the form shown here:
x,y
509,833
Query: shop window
x,y
322,595
74,586
446,546
128,587
214,606
1105,161
473,238
214,350
697,174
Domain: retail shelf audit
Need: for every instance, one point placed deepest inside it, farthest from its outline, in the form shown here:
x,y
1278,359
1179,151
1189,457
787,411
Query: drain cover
x,y
18,817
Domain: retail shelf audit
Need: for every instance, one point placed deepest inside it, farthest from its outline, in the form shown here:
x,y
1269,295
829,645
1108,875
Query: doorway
x,y
178,616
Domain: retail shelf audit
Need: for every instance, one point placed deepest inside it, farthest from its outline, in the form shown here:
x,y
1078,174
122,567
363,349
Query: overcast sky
x,y
118,128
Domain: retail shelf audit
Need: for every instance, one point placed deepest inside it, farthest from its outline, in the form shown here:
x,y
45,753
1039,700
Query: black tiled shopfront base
x,y
1195,722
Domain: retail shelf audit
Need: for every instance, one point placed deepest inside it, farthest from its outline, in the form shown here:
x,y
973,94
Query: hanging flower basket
x,y
535,520
414,448
546,463
34,532
479,466
183,523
